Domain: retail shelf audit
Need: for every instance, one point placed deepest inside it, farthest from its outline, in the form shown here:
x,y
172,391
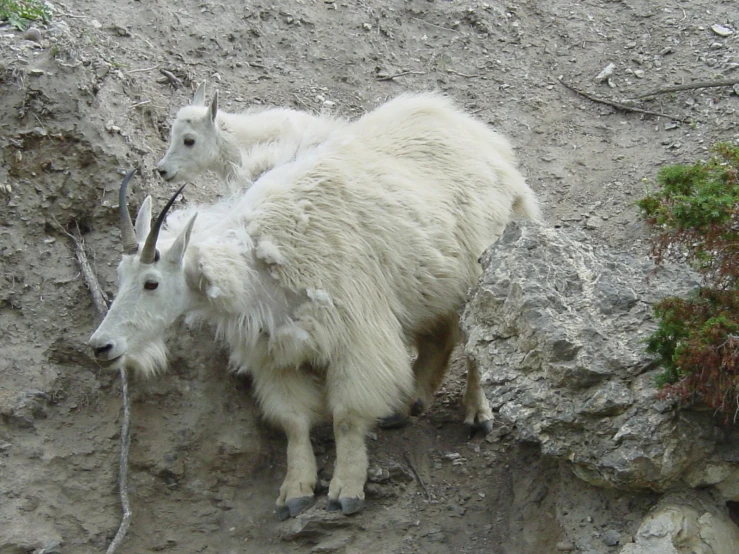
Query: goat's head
x,y
193,146
152,291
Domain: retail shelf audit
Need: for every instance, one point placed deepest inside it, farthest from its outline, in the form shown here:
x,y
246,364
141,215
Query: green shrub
x,y
695,216
21,13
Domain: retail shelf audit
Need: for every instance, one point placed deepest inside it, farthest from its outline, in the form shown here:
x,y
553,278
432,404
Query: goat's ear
x,y
214,106
199,98
177,252
143,220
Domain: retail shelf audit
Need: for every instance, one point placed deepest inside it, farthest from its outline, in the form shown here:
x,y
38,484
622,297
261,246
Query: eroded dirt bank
x,y
89,101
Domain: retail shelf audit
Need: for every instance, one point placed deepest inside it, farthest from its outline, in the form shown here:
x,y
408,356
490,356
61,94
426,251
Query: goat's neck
x,y
229,153
255,127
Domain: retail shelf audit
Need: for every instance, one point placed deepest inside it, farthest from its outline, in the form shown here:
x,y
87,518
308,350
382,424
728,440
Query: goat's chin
x,y
150,361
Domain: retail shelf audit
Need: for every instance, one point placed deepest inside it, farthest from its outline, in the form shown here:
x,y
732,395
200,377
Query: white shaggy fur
x,y
204,138
320,276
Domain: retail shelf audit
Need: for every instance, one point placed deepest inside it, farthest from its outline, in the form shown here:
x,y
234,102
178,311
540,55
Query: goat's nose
x,y
162,171
101,350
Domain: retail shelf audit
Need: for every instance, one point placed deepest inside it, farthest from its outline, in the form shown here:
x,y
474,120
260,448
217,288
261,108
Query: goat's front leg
x,y
292,400
297,490
346,491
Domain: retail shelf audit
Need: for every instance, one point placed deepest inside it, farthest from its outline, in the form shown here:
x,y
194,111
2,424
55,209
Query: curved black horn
x,y
149,253
128,233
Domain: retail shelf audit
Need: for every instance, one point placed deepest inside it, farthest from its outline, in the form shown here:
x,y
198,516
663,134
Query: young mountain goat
x,y
320,275
206,139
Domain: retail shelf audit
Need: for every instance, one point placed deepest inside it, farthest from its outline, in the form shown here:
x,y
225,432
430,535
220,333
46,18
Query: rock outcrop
x,y
557,326
688,521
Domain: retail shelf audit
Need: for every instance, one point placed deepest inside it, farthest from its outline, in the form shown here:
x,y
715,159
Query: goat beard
x,y
149,361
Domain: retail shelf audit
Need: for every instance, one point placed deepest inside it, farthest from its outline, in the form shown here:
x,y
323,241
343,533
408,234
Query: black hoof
x,y
347,504
294,506
351,505
395,421
418,407
483,429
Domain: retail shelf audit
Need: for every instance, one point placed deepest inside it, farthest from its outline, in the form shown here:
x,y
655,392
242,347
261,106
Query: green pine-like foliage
x,y
695,217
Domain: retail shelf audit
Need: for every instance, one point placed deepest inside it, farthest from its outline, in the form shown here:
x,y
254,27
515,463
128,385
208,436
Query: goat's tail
x,y
526,205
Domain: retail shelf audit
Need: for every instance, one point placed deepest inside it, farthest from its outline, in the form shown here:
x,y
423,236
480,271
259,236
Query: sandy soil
x,y
89,101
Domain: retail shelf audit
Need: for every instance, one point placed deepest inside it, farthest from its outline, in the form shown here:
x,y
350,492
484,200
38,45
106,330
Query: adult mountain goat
x,y
206,139
321,275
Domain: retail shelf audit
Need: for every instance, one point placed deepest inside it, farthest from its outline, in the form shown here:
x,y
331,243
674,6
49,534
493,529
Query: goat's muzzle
x,y
106,352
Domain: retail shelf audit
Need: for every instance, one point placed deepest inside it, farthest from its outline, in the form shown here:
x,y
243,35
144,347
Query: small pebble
x,y
611,537
32,34
721,31
607,72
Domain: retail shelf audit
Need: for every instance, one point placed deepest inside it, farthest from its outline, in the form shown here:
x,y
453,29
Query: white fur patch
x,y
269,252
320,296
292,331
213,292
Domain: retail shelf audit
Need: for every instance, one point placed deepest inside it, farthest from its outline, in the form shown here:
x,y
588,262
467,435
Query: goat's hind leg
x,y
434,350
361,389
478,415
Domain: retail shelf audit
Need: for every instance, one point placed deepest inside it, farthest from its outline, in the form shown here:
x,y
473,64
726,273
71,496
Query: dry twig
x,y
435,25
467,75
620,106
401,74
137,104
416,475
171,77
101,303
691,86
301,101
143,69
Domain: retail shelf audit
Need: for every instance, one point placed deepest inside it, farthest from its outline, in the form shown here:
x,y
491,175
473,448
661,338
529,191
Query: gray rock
x,y
27,407
557,327
32,34
611,538
686,521
314,525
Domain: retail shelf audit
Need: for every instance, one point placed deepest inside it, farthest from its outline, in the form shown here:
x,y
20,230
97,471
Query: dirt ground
x,y
89,100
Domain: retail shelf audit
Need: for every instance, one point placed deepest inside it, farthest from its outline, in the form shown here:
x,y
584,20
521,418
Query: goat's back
x,y
393,210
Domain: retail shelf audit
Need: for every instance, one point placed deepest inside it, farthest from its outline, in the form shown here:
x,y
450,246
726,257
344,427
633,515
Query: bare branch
x,y
101,303
620,106
123,467
467,75
435,25
171,77
143,69
401,74
416,475
691,86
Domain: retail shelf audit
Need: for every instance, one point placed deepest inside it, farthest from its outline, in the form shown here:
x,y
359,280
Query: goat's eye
x,y
189,141
151,285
